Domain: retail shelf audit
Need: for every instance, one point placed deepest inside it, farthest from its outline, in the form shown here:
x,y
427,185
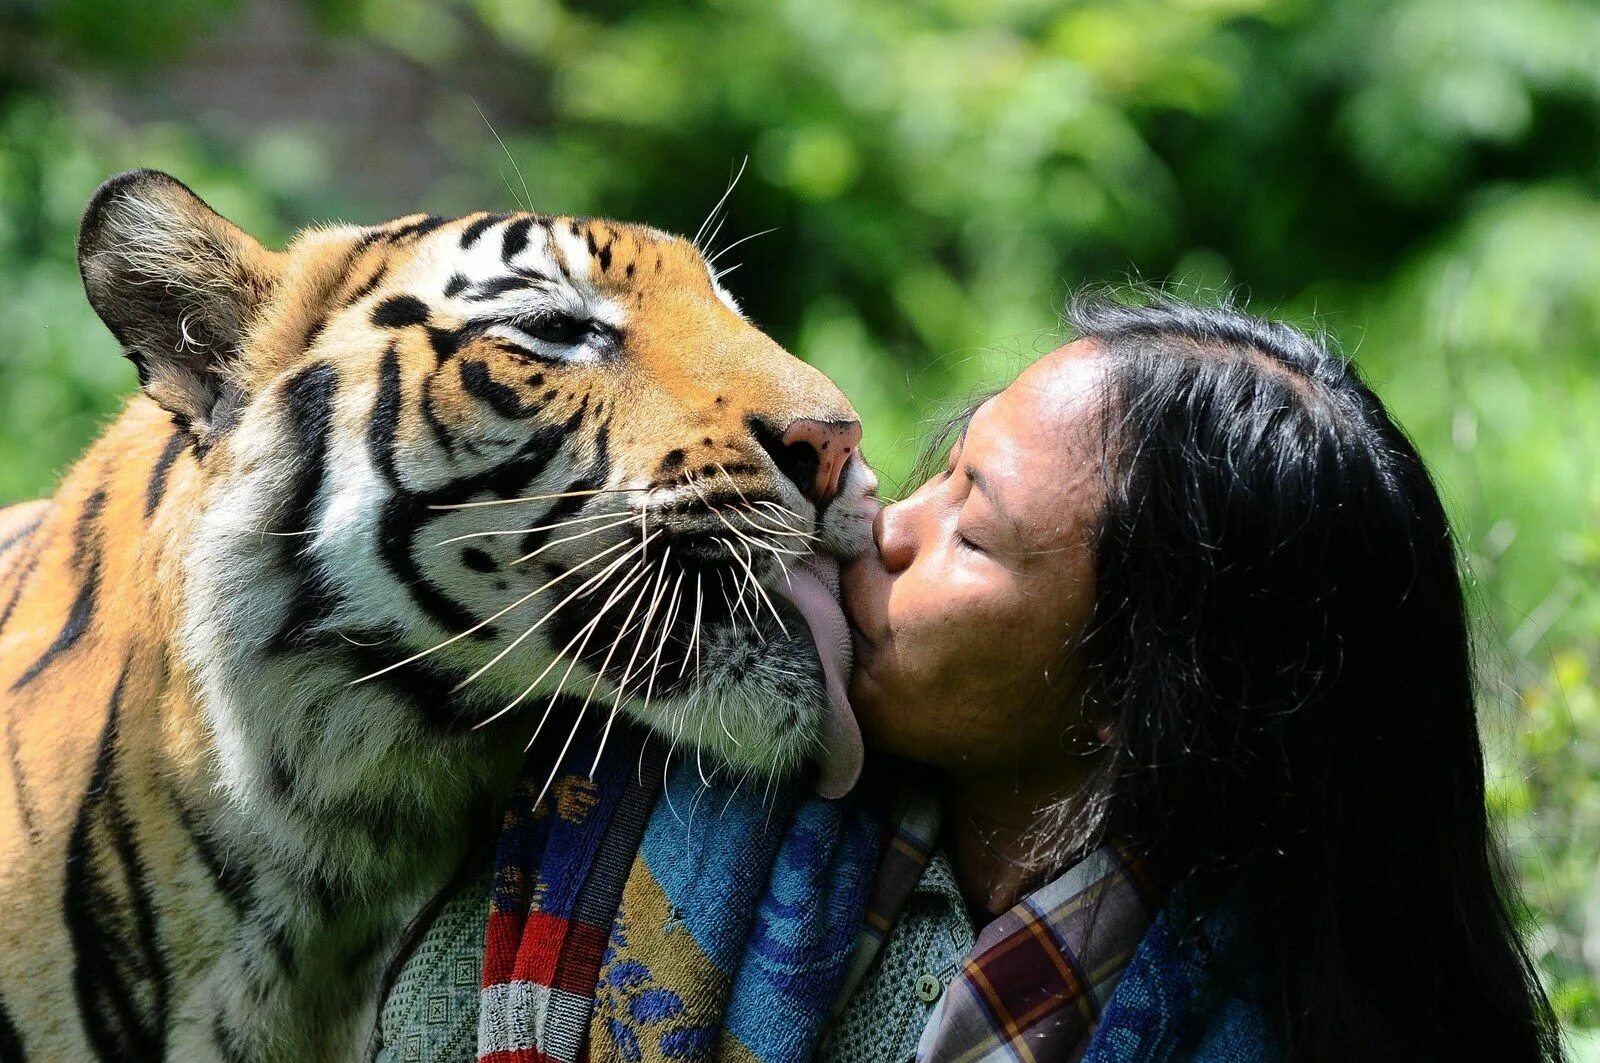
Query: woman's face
x,y
981,578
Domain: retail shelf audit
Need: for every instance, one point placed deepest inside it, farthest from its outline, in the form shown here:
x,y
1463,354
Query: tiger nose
x,y
813,454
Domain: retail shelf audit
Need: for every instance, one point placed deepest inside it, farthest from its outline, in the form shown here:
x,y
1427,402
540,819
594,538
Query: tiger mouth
x,y
648,620
724,633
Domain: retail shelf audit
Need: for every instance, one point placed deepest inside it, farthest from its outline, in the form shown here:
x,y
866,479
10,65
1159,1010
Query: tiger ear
x,y
178,286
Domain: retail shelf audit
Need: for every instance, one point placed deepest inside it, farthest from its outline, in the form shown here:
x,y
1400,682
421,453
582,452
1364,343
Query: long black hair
x,y
1280,657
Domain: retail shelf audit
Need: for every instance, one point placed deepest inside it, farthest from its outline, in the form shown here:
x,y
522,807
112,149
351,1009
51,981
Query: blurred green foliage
x,y
1420,177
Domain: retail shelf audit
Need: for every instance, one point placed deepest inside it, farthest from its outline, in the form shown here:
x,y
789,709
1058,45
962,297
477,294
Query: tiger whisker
x,y
738,784
748,561
743,239
638,645
776,521
561,756
480,625
732,183
585,633
644,627
732,482
666,636
757,542
540,498
509,158
529,531
699,599
700,744
733,612
749,576
711,240
530,555
589,697
581,589
649,672
599,673
716,511
787,533
781,509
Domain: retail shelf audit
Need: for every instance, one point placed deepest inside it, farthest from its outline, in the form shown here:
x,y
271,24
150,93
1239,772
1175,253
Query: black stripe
x,y
470,234
400,311
515,239
416,228
13,744
276,937
447,341
146,927
120,979
229,876
10,1038
369,286
86,560
308,403
384,423
222,1039
599,472
430,417
424,684
158,475
313,603
314,332
477,381
308,400
22,533
406,512
603,254
455,285
22,576
563,508
225,415
492,289
86,529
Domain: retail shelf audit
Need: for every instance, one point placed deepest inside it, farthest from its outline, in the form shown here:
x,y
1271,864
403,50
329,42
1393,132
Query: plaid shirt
x,y
1040,975
1034,985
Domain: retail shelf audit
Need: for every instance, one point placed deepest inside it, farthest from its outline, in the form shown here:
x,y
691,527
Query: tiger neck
x,y
364,797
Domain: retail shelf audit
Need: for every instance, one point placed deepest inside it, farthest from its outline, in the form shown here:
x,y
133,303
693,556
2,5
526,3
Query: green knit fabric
x,y
431,1013
932,935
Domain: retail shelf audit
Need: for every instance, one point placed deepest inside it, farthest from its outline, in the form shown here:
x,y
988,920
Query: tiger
x,y
390,507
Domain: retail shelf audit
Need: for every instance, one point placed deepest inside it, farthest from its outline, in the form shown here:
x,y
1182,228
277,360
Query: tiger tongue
x,y
813,588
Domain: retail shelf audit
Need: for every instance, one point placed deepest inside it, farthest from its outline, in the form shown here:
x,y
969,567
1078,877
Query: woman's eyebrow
x,y
981,483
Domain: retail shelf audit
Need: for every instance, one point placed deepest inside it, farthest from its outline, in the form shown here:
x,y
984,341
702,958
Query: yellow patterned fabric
x,y
736,926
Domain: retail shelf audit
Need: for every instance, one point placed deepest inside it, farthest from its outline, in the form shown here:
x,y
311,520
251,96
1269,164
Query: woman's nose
x,y
892,531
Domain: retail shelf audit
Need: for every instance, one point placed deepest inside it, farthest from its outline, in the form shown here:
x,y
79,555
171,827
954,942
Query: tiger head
x,y
459,468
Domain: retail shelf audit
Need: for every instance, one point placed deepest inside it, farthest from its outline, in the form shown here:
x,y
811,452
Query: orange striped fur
x,y
212,835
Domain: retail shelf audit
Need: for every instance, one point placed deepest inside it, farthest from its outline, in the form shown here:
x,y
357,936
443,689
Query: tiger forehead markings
x,y
394,502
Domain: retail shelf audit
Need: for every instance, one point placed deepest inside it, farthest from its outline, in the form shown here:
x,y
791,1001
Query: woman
x,y
1180,630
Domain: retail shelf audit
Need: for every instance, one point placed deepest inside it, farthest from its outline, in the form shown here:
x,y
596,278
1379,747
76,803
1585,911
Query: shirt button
x,y
928,988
